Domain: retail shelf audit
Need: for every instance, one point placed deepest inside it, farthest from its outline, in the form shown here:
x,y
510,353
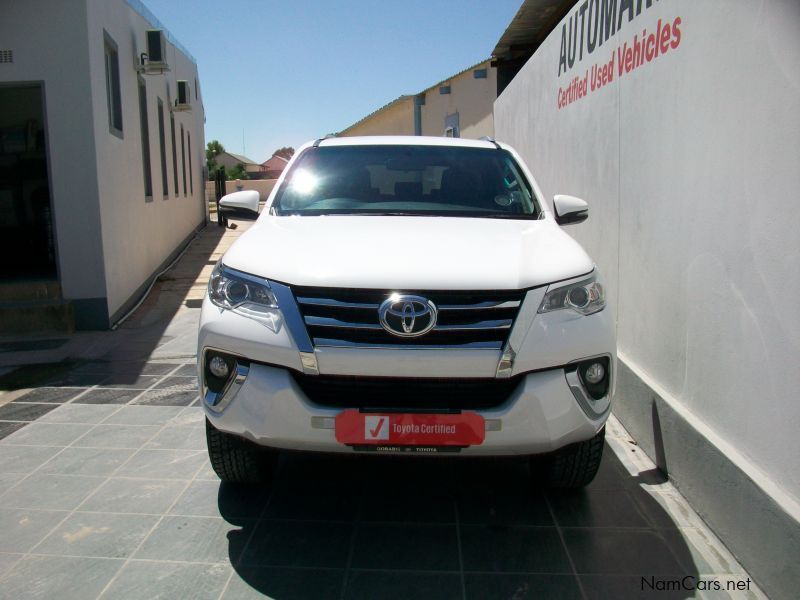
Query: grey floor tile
x,y
167,397
50,491
398,546
207,473
189,416
620,552
116,436
62,577
191,539
145,496
179,383
332,505
214,499
51,395
699,550
521,587
597,508
75,379
299,544
97,462
513,549
107,396
189,370
509,507
9,427
23,528
24,459
131,382
97,534
612,587
163,464
393,585
287,584
143,415
47,434
666,510
167,581
24,412
409,506
78,413
179,438
8,560
9,480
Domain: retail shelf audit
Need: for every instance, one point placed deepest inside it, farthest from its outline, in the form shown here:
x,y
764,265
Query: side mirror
x,y
569,209
241,204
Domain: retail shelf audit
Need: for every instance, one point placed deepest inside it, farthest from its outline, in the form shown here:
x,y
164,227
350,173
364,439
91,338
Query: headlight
x,y
585,297
246,295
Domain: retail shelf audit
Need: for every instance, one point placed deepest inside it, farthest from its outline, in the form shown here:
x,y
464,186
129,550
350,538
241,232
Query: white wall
x,y
139,235
691,164
50,45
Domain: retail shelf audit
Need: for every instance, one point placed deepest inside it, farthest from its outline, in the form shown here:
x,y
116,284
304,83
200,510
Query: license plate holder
x,y
354,428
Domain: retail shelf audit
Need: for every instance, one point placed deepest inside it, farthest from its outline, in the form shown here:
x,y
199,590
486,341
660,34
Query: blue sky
x,y
286,72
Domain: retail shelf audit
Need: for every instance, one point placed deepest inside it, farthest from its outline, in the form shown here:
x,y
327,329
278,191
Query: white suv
x,y
408,294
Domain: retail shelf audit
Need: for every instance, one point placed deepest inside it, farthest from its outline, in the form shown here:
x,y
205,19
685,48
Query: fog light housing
x,y
595,373
218,370
218,367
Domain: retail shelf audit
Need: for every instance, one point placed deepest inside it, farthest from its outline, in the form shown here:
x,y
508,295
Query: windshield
x,y
406,180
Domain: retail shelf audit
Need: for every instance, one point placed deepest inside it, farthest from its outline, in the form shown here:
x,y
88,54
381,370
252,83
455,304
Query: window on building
x,y
183,159
480,73
189,156
162,141
174,154
113,94
444,89
148,176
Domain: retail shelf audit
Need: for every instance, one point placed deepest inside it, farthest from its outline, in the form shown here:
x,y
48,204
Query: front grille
x,y
407,394
349,317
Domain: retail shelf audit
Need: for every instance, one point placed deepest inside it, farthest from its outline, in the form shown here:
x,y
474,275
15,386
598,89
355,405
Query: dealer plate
x,y
355,428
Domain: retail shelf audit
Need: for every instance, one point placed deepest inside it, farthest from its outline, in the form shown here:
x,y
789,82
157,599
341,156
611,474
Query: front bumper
x,y
543,413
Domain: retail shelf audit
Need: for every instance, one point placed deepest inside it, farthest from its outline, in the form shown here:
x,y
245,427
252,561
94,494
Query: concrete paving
x,y
106,492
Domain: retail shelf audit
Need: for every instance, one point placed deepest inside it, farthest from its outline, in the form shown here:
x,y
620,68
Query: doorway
x,y
26,217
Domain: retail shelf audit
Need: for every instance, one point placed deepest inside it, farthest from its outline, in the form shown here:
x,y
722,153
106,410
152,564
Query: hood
x,y
408,253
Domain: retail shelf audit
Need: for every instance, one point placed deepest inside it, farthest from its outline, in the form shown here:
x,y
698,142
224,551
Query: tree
x,y
237,172
213,149
286,152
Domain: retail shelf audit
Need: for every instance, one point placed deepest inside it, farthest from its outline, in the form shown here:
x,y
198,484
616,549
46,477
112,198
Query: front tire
x,y
570,467
236,460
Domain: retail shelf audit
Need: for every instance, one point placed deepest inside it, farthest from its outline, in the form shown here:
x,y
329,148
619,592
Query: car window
x,y
406,180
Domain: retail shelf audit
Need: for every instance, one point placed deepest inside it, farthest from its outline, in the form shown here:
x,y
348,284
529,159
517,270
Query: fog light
x,y
218,367
595,373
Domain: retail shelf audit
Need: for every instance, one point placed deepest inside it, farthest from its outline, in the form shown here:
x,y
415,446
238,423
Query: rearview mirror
x,y
569,209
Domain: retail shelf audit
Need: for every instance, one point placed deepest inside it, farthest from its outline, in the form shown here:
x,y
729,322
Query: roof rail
x,y
486,138
324,137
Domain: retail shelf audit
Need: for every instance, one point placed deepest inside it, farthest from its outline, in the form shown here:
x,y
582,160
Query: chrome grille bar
x,y
499,324
335,303
480,305
329,322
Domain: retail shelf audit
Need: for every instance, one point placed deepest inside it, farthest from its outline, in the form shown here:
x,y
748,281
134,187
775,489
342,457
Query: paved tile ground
x,y
106,492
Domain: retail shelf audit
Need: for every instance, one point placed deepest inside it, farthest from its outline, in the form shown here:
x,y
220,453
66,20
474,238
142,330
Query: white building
x,y
101,174
679,123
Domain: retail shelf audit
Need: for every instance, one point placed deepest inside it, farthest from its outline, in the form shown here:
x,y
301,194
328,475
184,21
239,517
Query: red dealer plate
x,y
356,428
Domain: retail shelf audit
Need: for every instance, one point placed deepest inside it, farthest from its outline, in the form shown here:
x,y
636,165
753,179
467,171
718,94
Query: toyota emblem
x,y
407,316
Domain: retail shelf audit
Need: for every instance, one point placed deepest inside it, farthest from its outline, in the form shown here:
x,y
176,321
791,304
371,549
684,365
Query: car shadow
x,y
407,527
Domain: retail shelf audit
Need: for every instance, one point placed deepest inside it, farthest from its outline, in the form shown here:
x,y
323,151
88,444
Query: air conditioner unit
x,y
155,59
183,100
